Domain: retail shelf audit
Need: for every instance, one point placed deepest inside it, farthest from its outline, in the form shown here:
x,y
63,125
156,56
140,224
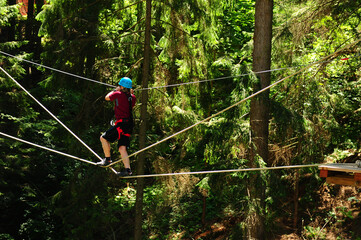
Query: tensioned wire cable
x,y
235,76
165,174
158,87
237,103
234,170
51,114
52,150
55,70
46,148
225,171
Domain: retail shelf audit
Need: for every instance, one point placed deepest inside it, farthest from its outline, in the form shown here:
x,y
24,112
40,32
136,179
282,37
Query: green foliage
x,y
314,233
314,114
7,12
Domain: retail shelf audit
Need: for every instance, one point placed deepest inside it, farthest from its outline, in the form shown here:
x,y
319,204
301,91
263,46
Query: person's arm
x,y
107,97
134,99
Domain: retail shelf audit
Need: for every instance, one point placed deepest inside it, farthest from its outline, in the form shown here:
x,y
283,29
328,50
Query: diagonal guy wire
x,y
51,114
237,103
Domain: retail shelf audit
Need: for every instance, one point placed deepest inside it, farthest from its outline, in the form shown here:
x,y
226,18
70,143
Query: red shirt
x,y
121,106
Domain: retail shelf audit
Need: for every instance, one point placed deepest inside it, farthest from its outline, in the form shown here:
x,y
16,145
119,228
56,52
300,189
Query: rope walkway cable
x,y
52,150
158,87
165,174
224,171
236,104
48,149
51,114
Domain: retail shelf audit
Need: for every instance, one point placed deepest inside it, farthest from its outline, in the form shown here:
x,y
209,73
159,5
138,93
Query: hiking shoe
x,y
104,162
125,173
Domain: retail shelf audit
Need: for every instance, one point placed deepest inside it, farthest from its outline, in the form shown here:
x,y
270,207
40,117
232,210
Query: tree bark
x,y
259,114
30,21
295,199
143,125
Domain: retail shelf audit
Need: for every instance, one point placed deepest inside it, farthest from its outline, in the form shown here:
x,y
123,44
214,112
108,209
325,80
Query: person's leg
x,y
123,144
106,146
123,152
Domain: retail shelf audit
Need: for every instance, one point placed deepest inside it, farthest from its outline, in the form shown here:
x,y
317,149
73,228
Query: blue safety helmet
x,y
125,82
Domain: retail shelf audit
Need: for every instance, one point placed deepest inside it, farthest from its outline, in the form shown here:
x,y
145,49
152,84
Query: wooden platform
x,y
341,173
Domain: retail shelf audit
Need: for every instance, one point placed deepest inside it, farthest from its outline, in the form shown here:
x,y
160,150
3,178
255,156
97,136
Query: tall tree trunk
x,y
143,124
10,30
30,22
29,26
295,199
259,114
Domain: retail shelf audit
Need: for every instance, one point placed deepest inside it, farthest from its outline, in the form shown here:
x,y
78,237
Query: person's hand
x,y
117,88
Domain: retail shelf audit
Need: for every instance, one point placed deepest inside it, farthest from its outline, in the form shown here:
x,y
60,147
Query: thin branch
x,y
140,31
135,24
121,9
134,66
173,26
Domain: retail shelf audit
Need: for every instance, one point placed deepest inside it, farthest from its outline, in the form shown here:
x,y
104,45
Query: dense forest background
x,y
315,117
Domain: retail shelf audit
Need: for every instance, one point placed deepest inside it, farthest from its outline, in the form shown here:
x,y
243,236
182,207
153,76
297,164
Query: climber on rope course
x,y
124,101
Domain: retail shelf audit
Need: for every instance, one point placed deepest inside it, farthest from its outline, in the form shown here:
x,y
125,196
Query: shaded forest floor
x,y
334,213
337,216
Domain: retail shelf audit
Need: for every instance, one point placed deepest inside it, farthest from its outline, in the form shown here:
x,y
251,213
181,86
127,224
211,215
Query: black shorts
x,y
120,132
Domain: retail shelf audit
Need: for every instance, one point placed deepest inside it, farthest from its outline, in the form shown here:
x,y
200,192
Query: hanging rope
x,y
51,114
236,104
224,171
